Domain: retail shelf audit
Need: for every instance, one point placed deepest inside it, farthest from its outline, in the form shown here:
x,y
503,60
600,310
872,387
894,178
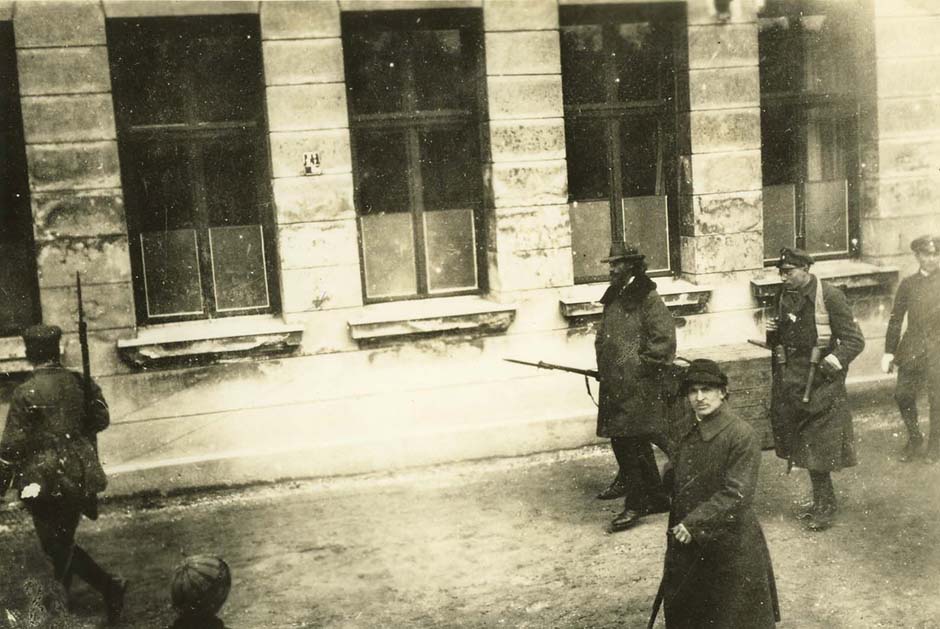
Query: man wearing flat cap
x,y
635,343
916,352
816,337
48,453
717,569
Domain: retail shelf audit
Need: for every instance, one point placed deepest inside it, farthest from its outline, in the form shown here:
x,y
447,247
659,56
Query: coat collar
x,y
710,427
631,295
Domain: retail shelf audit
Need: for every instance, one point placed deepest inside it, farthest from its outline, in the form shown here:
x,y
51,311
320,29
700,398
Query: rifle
x,y
86,359
587,373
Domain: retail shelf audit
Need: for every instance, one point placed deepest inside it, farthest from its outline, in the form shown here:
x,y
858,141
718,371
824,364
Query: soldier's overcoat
x,y
635,343
815,435
48,439
723,578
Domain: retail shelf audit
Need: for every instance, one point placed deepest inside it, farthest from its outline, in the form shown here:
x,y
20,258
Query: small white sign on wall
x,y
312,164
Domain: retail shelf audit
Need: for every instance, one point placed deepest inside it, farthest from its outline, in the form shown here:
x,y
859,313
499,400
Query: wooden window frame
x,y
671,18
845,107
192,136
413,122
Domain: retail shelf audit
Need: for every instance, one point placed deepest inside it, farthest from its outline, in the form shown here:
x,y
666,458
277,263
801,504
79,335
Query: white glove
x,y
833,362
887,363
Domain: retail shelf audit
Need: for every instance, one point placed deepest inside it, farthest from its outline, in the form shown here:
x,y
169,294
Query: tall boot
x,y
914,437
825,511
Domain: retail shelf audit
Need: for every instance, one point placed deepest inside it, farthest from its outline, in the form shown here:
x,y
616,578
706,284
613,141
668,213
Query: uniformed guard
x,y
916,353
48,453
813,327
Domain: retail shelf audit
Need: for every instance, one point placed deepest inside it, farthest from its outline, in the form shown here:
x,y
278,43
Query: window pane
x,y
162,186
828,63
148,69
641,157
779,51
382,171
645,223
388,255
171,273
238,269
780,145
588,169
375,66
582,64
230,170
226,70
590,238
441,76
779,219
451,250
639,55
827,141
450,170
827,217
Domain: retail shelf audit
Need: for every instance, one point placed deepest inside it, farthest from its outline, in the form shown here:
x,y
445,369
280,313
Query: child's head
x,y
200,585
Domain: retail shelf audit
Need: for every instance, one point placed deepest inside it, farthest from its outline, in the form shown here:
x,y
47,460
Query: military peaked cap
x,y
42,342
704,371
792,258
621,251
926,244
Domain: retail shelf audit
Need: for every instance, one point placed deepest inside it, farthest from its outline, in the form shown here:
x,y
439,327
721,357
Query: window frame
x,y
193,136
413,123
845,105
14,165
670,17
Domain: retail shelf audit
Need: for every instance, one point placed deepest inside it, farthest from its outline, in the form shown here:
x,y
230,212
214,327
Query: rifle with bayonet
x,y
91,505
587,373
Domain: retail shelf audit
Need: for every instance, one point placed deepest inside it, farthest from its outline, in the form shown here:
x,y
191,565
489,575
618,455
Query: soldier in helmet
x,y
916,353
813,327
47,452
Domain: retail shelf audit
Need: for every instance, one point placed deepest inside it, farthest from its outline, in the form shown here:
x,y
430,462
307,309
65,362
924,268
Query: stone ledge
x,y
422,317
215,340
13,355
680,296
849,275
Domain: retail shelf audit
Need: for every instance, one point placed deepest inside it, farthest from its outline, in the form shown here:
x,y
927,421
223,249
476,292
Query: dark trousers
x,y
912,380
55,521
638,471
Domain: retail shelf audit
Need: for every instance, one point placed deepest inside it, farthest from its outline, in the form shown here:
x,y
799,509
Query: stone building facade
x,y
308,232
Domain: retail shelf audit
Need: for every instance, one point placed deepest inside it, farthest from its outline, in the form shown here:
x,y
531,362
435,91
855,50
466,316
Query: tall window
x,y
619,85
19,293
414,87
809,112
188,95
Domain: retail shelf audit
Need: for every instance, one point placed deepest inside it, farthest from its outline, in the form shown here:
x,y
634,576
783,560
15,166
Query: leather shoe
x,y
821,519
615,490
627,519
114,600
910,451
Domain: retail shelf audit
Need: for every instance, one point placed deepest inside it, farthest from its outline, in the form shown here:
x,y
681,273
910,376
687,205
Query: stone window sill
x,y
427,317
210,341
849,275
680,296
13,355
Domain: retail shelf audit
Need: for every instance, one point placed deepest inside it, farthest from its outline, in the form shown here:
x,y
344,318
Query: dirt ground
x,y
502,543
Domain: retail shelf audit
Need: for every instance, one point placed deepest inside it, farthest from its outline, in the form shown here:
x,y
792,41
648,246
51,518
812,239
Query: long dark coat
x,y
817,435
635,343
49,441
918,298
723,578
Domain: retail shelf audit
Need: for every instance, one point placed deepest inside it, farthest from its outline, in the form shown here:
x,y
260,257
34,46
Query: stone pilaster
x,y
529,234
74,177
720,204
306,99
903,189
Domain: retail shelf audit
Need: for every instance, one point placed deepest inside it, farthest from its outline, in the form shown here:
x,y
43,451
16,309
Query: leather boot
x,y
911,450
616,489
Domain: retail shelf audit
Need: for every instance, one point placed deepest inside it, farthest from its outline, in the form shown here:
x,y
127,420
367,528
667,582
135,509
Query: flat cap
x,y
792,258
704,371
926,244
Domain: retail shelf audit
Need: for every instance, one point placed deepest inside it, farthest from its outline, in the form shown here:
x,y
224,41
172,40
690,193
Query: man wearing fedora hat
x,y
635,342
47,451
916,353
817,338
717,568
